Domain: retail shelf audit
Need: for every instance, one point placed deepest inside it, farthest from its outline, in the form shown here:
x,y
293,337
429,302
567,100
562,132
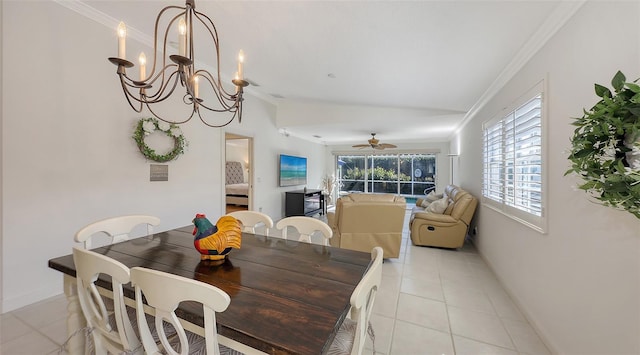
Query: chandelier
x,y
179,68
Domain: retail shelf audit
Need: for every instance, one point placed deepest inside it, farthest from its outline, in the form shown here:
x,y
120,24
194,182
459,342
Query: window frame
x,y
500,204
368,179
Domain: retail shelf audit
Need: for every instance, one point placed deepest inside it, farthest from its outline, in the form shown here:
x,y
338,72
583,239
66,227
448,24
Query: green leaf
x,y
602,91
588,185
582,153
618,81
633,87
635,111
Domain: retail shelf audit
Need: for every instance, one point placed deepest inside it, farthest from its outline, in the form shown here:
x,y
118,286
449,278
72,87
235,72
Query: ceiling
x,y
406,70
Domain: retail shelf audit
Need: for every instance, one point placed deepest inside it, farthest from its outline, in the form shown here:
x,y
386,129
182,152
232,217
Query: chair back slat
x,y
117,228
164,292
89,266
306,226
251,219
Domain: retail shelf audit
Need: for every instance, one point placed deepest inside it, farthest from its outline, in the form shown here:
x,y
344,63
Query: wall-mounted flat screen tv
x,y
293,170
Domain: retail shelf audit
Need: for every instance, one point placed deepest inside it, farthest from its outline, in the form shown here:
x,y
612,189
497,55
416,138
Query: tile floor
x,y
432,301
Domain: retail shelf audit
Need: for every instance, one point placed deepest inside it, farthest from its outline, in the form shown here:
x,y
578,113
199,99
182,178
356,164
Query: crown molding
x,y
561,14
104,19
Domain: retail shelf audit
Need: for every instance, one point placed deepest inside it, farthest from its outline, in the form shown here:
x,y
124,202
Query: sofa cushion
x,y
433,196
430,197
438,206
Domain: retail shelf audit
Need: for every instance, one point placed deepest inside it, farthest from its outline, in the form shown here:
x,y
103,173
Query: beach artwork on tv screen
x,y
293,170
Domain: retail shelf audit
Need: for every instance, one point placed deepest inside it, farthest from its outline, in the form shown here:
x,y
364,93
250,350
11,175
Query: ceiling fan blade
x,y
375,144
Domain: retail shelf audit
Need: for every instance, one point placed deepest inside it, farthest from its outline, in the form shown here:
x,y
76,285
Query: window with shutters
x,y
513,161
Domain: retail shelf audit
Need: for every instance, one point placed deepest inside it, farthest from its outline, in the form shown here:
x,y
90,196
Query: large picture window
x,y
401,174
513,161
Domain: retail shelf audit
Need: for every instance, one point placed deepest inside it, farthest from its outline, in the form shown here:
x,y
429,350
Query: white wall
x,y
579,284
1,145
68,155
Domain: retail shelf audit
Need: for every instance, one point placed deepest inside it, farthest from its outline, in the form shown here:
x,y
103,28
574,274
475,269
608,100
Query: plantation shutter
x,y
512,153
525,155
493,187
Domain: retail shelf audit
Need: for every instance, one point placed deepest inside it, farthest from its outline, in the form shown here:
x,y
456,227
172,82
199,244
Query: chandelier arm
x,y
162,74
221,99
230,104
189,19
128,95
186,81
231,108
148,84
166,33
126,81
236,109
158,96
169,121
214,36
135,84
217,126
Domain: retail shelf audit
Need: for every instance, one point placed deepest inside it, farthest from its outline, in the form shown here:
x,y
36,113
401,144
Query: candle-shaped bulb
x,y
182,37
196,88
142,59
122,36
235,78
240,64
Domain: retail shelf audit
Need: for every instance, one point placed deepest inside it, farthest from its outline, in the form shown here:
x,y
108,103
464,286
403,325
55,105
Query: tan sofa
x,y
446,230
363,221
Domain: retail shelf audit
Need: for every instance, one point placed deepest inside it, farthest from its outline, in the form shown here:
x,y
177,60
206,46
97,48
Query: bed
x,y
236,190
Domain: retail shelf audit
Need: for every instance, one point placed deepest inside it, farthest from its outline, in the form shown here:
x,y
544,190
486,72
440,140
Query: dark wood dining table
x,y
287,297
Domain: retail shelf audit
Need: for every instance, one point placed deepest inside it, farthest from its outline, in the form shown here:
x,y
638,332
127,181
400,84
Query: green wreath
x,y
146,126
606,147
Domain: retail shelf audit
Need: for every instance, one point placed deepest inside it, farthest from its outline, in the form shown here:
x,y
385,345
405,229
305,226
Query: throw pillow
x,y
432,196
425,203
438,206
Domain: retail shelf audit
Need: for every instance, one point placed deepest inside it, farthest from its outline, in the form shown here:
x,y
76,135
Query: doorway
x,y
238,172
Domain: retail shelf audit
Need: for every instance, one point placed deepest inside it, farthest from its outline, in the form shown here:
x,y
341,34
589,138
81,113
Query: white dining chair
x,y
164,292
351,336
117,228
306,226
106,339
251,219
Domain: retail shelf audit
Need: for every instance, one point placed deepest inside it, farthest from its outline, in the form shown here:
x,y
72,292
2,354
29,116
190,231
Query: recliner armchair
x,y
446,230
362,221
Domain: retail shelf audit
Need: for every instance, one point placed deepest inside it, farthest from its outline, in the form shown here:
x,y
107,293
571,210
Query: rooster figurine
x,y
215,242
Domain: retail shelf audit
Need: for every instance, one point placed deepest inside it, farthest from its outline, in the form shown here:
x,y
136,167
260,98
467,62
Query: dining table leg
x,y
75,318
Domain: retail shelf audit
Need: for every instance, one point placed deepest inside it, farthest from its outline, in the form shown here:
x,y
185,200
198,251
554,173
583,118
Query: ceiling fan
x,y
375,144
